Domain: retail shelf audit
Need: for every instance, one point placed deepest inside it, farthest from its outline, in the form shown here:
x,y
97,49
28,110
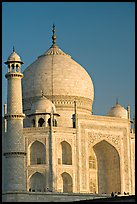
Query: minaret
x,y
14,150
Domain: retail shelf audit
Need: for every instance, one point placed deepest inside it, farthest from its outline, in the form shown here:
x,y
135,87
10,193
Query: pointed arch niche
x,y
41,122
37,153
66,153
67,183
108,167
37,182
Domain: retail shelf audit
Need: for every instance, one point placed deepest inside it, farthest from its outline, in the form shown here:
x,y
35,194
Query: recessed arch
x,y
67,182
37,182
108,167
66,153
12,66
37,153
54,122
41,122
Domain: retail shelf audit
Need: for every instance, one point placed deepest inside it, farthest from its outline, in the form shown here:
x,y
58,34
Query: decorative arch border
x,y
114,140
65,172
64,140
35,171
70,172
37,140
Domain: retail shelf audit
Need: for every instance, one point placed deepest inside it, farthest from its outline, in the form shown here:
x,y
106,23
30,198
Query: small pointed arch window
x,y
41,122
54,122
74,120
12,66
17,67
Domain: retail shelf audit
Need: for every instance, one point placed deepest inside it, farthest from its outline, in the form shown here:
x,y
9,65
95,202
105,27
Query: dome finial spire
x,y
53,36
13,48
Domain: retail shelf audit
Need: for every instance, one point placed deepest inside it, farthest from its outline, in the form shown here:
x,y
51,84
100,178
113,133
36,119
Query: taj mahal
x,y
54,147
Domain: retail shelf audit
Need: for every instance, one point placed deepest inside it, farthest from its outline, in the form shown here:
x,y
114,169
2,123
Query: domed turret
x,y
43,105
118,111
14,57
41,111
14,62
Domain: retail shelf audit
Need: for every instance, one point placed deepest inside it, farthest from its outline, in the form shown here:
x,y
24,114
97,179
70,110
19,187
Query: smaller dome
x,y
43,105
14,57
118,111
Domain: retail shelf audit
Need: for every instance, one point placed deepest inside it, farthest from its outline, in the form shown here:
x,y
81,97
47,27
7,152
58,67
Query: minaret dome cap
x,y
14,57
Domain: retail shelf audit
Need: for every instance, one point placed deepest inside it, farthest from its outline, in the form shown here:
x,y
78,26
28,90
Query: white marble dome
x,y
56,73
43,105
118,111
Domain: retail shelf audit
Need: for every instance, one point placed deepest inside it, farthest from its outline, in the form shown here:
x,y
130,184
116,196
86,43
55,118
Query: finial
x,y
53,29
13,49
53,36
117,100
42,94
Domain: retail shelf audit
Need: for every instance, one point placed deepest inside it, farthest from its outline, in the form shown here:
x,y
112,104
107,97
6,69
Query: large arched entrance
x,y
108,167
67,183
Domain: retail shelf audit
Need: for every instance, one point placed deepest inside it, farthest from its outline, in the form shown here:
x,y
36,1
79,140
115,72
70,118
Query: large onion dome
x,y
60,77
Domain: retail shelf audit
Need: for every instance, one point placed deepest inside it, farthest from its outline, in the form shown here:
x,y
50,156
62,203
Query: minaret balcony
x,y
14,74
19,115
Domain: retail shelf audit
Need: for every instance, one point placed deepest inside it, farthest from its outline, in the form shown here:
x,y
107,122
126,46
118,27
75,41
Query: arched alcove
x,y
54,122
12,67
66,153
108,167
37,182
41,122
37,153
67,183
17,67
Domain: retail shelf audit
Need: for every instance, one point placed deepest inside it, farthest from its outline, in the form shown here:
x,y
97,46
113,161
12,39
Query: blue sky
x,y
98,35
